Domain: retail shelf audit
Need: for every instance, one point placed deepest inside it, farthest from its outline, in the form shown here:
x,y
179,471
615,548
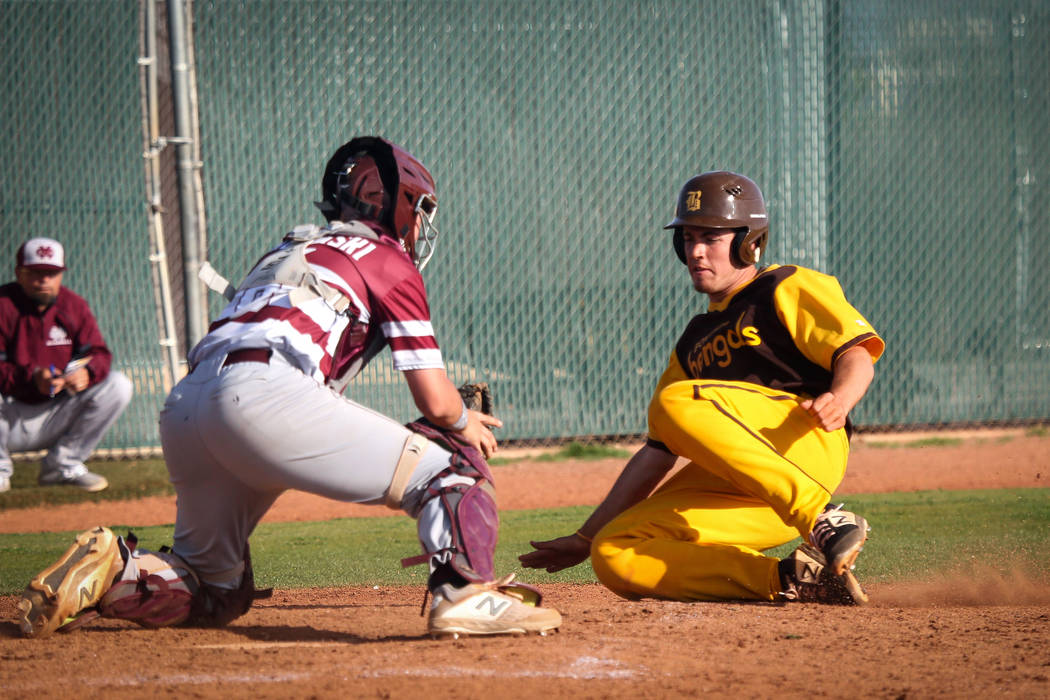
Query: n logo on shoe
x,y
837,519
810,572
495,605
87,595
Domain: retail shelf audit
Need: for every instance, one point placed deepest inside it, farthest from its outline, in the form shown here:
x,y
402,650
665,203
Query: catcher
x,y
262,410
756,397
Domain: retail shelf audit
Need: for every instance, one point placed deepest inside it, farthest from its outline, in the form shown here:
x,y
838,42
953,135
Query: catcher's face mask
x,y
422,248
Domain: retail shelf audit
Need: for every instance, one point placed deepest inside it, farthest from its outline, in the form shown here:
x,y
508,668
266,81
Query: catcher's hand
x,y
477,396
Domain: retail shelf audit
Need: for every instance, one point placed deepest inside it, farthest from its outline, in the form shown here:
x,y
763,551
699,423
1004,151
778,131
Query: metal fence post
x,y
185,167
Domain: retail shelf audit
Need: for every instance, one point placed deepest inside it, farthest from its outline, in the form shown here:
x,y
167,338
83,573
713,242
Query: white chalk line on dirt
x,y
583,668
168,680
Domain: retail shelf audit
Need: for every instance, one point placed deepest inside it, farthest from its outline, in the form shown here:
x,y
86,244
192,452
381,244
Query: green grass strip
x,y
128,480
573,450
915,535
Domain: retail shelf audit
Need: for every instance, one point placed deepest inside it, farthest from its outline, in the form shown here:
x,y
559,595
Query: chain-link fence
x,y
901,147
71,169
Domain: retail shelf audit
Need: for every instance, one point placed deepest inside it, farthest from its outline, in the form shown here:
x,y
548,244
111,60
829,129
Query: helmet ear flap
x,y
679,244
747,247
739,250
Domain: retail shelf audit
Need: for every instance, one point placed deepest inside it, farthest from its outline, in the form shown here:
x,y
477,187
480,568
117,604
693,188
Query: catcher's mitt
x,y
477,397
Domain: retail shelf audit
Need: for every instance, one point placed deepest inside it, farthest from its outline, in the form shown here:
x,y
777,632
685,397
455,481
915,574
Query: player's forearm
x,y
642,473
435,396
852,376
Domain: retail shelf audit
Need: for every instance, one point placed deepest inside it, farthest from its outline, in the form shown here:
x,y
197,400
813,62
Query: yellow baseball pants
x,y
760,472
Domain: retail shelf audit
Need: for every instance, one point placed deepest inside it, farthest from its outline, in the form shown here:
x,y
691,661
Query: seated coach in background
x,y
58,393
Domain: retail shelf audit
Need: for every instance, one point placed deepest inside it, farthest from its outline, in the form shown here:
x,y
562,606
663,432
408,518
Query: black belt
x,y
248,355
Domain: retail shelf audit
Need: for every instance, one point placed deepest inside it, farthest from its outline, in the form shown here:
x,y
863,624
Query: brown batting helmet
x,y
722,199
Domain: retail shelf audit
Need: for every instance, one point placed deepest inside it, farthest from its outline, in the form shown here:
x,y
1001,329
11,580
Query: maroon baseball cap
x,y
42,254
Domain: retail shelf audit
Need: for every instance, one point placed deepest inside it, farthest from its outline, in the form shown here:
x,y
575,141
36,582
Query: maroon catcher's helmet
x,y
722,199
371,178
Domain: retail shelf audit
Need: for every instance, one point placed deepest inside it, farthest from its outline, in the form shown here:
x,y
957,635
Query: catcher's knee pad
x,y
155,589
465,494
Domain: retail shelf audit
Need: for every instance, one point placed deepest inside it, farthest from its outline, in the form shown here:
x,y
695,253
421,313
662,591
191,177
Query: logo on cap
x,y
43,253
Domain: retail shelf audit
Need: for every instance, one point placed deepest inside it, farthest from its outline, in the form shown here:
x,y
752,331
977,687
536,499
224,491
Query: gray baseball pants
x,y
69,426
235,437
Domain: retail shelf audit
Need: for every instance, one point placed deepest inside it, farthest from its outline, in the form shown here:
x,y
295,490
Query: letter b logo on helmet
x,y
722,199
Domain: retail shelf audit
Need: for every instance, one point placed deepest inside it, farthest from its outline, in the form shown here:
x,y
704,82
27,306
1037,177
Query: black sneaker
x,y
839,535
807,579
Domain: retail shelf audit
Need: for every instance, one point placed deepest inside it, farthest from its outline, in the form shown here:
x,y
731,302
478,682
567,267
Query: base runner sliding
x,y
756,396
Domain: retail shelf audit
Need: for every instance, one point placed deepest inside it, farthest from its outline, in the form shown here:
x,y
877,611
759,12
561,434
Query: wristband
x,y
461,422
585,538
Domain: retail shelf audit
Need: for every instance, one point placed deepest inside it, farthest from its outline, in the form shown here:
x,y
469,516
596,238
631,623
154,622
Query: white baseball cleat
x,y
497,607
74,583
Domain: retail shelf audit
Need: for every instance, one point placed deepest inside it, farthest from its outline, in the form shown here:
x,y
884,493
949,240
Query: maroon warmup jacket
x,y
31,339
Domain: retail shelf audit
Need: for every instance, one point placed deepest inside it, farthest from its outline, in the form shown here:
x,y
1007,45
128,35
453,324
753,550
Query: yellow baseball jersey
x,y
782,330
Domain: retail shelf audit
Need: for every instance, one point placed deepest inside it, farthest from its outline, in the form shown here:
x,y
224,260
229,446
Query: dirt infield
x,y
962,637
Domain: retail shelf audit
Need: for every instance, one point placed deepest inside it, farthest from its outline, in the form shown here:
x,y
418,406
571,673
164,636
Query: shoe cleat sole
x,y
32,616
848,561
456,634
855,589
846,564
444,636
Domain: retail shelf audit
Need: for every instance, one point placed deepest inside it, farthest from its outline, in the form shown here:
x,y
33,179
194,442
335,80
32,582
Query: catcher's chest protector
x,y
287,266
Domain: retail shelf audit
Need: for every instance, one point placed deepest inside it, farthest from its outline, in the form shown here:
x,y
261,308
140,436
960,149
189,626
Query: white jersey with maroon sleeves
x,y
387,305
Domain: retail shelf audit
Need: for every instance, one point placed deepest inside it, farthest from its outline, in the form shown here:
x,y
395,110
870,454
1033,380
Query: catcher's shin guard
x,y
462,495
464,506
74,583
